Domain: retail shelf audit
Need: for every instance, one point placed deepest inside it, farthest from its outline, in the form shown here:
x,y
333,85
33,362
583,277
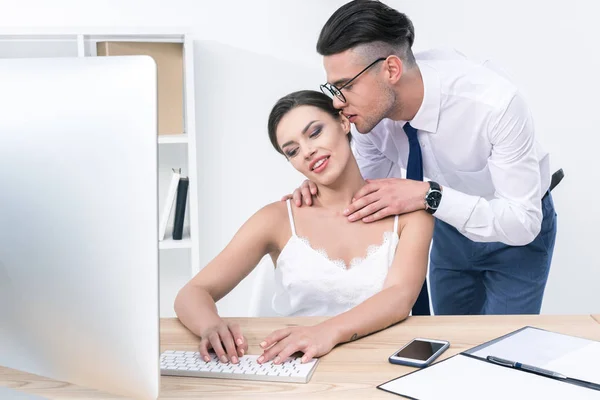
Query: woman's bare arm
x,y
195,303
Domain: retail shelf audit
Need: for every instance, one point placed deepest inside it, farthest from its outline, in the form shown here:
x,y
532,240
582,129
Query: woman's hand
x,y
313,341
225,339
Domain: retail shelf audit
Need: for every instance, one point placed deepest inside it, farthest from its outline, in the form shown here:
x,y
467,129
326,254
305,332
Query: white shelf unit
x,y
32,43
176,138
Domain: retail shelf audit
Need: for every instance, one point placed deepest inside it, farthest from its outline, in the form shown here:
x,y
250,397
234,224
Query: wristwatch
x,y
433,197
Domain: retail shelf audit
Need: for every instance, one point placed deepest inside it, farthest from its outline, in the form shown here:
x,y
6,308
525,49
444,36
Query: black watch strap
x,y
433,197
435,186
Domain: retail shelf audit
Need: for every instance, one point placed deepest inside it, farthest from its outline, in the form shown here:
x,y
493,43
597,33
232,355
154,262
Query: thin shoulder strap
x,y
396,223
289,207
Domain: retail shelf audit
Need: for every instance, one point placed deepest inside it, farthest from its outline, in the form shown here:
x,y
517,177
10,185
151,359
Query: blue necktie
x,y
414,170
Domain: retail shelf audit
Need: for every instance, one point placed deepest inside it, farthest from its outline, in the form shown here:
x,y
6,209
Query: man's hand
x,y
382,197
304,193
313,341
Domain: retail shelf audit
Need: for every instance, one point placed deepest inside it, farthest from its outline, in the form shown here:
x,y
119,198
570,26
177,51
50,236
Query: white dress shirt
x,y
477,141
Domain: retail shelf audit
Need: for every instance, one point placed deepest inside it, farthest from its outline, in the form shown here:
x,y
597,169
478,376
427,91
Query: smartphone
x,y
419,352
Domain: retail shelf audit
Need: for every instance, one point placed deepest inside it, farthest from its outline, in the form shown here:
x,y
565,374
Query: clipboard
x,y
469,375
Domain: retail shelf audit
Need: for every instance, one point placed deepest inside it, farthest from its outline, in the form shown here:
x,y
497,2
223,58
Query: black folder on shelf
x,y
180,205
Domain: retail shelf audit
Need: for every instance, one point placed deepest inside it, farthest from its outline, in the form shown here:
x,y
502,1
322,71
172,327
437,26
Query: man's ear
x,y
394,68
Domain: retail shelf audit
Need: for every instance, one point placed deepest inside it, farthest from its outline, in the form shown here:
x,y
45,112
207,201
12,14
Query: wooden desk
x,y
350,371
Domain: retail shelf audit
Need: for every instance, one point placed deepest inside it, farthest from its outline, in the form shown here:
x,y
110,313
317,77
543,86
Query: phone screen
x,y
419,350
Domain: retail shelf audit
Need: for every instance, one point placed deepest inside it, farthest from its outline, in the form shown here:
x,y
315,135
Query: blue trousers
x,y
468,277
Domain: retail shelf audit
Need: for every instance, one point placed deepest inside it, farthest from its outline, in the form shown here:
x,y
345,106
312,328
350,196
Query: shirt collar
x,y
428,115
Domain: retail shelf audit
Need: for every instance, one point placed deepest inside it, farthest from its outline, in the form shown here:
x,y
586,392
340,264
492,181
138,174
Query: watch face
x,y
434,198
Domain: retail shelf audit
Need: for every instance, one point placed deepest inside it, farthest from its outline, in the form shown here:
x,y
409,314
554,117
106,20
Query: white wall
x,y
548,47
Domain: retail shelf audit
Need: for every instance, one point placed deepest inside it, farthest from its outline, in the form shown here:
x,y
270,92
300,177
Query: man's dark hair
x,y
362,22
297,99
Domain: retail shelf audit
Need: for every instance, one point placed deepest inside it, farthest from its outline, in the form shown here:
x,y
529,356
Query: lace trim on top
x,y
371,251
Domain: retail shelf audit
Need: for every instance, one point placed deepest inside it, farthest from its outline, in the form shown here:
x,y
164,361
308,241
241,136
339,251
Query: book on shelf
x,y
169,65
180,205
169,202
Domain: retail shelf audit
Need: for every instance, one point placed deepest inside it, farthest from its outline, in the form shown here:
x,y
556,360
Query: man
x,y
465,127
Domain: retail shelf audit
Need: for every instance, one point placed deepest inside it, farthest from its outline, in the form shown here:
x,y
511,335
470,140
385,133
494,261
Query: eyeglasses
x,y
332,91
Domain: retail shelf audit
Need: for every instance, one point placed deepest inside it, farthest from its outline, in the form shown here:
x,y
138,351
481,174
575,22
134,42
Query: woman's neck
x,y
338,195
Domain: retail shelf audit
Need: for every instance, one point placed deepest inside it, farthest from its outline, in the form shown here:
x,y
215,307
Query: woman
x,y
324,264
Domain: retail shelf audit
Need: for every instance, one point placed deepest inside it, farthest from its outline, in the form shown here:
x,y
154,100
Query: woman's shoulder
x,y
268,222
273,212
280,208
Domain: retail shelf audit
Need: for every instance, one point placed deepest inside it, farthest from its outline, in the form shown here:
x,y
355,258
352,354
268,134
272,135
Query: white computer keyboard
x,y
189,363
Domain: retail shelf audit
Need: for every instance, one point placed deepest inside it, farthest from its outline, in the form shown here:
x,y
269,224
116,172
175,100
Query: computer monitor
x,y
78,221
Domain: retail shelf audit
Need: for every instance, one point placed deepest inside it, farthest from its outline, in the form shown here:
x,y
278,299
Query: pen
x,y
518,365
541,371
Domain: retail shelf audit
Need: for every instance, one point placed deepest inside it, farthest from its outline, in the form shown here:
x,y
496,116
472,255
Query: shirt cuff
x,y
456,207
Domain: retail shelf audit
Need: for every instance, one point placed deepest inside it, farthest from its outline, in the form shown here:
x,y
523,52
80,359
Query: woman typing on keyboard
x,y
365,276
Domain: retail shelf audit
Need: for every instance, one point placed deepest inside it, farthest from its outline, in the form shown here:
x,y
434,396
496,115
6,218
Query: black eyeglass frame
x,y
337,92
